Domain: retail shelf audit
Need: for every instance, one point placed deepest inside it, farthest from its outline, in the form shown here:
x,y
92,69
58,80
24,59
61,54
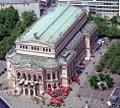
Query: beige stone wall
x,y
43,50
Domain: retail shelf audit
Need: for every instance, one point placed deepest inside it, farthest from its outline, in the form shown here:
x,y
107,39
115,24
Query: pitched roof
x,y
51,27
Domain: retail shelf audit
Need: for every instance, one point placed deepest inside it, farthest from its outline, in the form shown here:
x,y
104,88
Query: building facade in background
x,y
38,6
100,7
47,54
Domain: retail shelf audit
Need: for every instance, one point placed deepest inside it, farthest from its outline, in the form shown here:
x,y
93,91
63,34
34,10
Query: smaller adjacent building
x,y
38,6
99,7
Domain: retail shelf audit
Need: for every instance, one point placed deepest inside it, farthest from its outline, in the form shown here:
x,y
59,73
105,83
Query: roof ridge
x,y
53,22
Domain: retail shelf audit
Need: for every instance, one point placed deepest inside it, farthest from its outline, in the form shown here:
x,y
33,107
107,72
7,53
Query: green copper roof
x,y
34,61
48,29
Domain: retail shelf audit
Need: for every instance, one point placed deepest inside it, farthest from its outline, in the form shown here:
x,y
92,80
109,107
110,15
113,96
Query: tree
x,y
99,68
28,18
93,82
101,76
8,19
114,19
12,27
106,27
111,59
109,82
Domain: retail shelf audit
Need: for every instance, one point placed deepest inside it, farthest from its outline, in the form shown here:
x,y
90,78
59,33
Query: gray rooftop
x,y
88,28
51,27
115,98
34,61
17,1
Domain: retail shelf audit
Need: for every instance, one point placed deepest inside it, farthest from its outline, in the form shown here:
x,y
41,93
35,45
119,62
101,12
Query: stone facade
x,y
36,65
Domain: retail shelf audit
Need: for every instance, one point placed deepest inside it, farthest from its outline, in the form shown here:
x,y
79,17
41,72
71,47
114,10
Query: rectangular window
x,y
38,48
46,49
26,47
49,50
34,48
43,49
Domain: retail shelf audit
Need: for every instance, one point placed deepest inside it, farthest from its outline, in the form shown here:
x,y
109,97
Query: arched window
x,y
53,76
24,76
18,75
39,78
34,78
29,77
48,76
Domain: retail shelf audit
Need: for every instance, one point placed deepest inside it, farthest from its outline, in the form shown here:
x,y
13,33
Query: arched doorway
x,y
31,92
54,86
37,90
49,89
34,78
24,76
49,85
18,75
26,91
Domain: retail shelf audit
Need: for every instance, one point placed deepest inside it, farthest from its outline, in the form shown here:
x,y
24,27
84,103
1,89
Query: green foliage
x,y
11,27
99,68
104,79
111,59
101,76
8,20
107,27
109,81
28,17
93,81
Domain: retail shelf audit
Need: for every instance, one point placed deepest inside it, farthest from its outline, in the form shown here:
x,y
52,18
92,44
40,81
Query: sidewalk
x,y
72,100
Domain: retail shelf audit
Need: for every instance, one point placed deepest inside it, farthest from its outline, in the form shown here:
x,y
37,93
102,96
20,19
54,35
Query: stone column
x,y
8,64
29,92
23,91
41,89
87,44
34,92
64,76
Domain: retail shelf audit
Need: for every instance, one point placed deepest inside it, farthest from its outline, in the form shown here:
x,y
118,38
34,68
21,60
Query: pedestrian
x,y
86,73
